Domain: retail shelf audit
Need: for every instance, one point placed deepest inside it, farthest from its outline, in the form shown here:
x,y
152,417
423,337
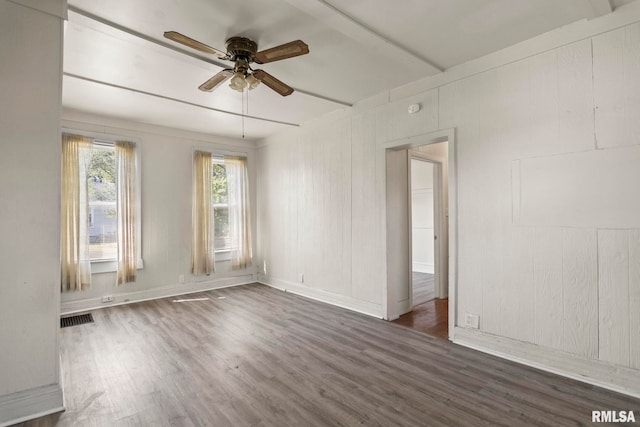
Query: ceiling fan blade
x,y
215,81
194,44
284,51
273,83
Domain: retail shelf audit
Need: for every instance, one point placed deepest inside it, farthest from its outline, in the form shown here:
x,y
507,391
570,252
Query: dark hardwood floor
x,y
430,317
255,356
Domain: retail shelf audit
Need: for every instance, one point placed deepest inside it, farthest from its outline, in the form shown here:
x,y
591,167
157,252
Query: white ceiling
x,y
117,63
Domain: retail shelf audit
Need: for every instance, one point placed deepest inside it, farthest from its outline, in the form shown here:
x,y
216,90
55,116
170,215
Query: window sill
x,y
223,255
109,266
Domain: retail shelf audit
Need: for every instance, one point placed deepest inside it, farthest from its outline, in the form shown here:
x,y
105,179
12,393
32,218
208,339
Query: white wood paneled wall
x,y
615,72
366,206
311,185
575,273
580,292
613,296
565,276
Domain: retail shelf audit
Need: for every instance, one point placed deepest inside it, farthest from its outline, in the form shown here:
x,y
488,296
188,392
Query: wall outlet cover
x,y
108,298
472,320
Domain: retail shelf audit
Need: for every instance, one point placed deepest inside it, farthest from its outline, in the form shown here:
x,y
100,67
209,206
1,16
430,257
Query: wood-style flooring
x,y
431,317
256,356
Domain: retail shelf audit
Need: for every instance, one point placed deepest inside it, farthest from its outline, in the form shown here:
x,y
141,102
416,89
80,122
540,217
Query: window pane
x,y
102,204
221,227
219,184
220,206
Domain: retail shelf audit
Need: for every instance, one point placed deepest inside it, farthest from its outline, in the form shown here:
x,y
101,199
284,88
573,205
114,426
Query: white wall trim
x,y
601,374
69,307
99,124
342,301
423,267
29,404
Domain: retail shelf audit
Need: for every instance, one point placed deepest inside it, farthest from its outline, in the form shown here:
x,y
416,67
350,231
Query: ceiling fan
x,y
242,52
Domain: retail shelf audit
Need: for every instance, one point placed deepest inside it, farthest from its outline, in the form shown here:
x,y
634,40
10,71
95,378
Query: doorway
x,y
426,257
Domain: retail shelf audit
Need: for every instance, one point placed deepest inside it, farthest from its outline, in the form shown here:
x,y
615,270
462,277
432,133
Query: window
x,y
221,213
100,229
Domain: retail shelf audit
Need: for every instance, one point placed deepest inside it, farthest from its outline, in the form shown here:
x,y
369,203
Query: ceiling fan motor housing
x,y
241,48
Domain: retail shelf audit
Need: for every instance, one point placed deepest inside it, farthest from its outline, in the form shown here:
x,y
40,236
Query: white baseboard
x,y
343,301
423,267
76,306
421,296
29,404
617,378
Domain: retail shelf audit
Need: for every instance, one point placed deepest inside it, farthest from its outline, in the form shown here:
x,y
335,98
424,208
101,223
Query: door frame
x,y
388,286
439,225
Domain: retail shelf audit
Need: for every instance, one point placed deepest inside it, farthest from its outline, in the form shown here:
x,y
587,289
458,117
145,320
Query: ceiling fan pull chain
x,y
243,113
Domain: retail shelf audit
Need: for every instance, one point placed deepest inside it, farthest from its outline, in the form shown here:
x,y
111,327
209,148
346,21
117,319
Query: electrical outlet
x,y
181,278
301,278
472,320
108,298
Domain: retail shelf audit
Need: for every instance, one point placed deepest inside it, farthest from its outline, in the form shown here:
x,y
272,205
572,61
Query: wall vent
x,y
79,319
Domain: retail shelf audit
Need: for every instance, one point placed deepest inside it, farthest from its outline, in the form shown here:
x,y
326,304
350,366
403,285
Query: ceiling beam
x,y
168,98
188,52
601,7
330,15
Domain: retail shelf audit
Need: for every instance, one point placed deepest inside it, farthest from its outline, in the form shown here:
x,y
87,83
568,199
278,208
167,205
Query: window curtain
x,y
126,206
202,249
74,228
239,217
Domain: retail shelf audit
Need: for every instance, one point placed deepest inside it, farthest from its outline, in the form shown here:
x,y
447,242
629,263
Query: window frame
x,y
108,140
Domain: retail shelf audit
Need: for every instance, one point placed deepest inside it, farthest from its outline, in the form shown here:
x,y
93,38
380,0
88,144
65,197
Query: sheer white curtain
x,y
239,208
126,176
74,227
202,249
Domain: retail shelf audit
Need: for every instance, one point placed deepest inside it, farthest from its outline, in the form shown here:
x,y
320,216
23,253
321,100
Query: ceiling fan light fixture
x,y
238,82
252,82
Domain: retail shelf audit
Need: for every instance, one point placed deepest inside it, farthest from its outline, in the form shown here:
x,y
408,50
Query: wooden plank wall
x,y
573,287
